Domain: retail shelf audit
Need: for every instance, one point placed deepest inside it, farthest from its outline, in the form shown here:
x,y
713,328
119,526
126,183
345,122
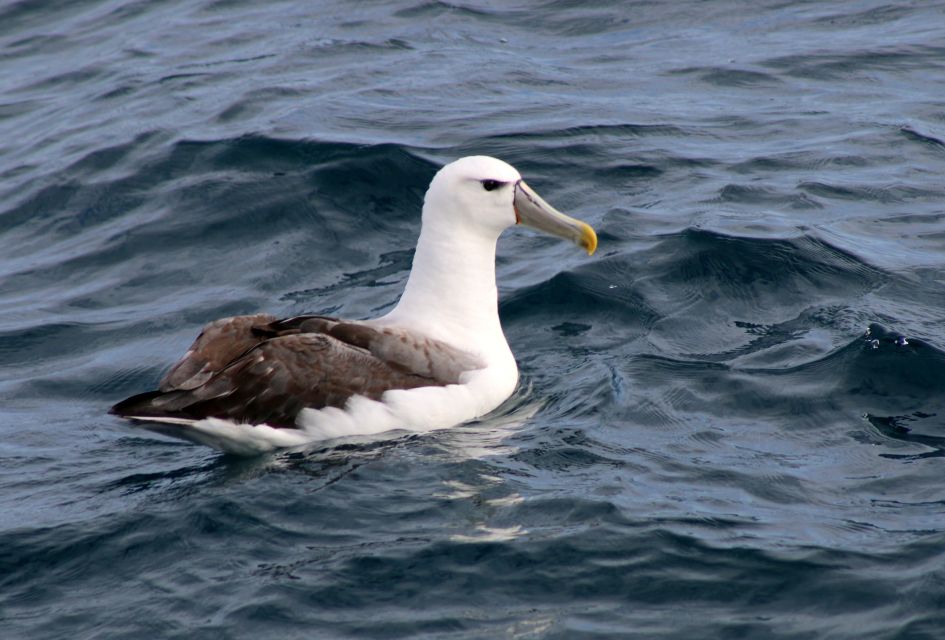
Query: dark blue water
x,y
706,444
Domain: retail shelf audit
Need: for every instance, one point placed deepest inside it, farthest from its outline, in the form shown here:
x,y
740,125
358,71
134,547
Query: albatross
x,y
255,383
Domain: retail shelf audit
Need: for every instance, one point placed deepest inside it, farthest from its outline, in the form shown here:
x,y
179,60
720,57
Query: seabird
x,y
251,384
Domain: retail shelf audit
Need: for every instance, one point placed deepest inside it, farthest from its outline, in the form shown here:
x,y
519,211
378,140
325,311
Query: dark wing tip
x,y
137,405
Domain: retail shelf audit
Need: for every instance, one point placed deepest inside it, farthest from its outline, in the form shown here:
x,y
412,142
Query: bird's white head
x,y
485,196
451,292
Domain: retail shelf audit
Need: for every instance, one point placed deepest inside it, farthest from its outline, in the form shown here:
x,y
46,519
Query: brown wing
x,y
219,343
255,369
398,348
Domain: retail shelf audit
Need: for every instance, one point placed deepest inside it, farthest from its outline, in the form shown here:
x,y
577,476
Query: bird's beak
x,y
534,212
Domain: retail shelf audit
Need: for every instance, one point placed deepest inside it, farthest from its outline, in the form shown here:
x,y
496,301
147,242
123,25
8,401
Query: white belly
x,y
420,409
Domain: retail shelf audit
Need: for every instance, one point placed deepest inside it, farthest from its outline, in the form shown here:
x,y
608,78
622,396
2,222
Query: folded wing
x,y
260,370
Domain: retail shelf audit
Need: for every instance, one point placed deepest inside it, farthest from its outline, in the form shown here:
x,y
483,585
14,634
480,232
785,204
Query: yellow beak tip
x,y
589,240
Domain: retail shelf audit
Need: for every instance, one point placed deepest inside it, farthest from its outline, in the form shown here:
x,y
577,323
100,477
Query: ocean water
x,y
731,422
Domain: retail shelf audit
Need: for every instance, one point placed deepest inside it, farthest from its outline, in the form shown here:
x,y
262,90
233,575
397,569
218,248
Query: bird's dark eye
x,y
491,185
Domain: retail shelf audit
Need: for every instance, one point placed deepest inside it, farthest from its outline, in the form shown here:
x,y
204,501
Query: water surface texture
x,y
731,422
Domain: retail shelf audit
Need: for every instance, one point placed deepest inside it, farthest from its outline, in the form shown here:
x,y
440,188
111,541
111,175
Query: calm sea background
x,y
731,422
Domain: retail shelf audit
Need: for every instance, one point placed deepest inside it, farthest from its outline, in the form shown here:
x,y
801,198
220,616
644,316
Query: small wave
x,y
891,194
729,77
588,291
711,273
882,373
930,141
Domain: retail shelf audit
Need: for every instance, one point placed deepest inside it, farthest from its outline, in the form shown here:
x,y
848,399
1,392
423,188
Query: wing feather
x,y
260,370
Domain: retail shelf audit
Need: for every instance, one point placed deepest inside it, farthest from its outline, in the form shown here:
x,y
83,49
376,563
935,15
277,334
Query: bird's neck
x,y
451,292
